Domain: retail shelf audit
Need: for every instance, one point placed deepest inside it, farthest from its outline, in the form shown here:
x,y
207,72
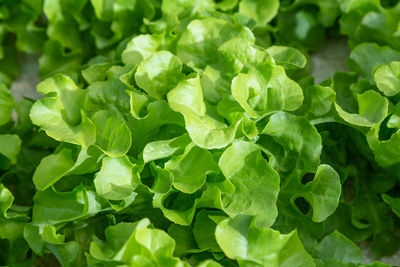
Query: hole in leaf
x,y
147,176
67,50
148,181
28,254
179,201
186,69
388,3
41,21
394,191
308,177
364,221
264,155
302,204
384,132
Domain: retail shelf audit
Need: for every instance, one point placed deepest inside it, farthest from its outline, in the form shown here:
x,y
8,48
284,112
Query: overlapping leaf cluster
x,y
189,133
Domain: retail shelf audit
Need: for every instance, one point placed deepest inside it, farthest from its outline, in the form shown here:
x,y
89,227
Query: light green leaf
x,y
97,69
291,91
256,183
184,8
143,130
103,9
159,73
240,52
176,206
163,179
136,244
323,192
56,207
188,96
6,199
139,48
165,148
159,243
260,11
366,56
191,168
62,27
289,57
209,263
60,114
206,132
12,218
138,103
249,128
52,168
226,5
113,136
88,160
118,19
109,94
372,109
46,113
6,104
67,94
386,152
318,100
10,145
12,230
117,178
266,89
254,95
298,144
337,247
199,43
49,235
252,246
387,78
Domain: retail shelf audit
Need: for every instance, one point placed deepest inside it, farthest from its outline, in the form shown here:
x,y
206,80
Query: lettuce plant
x,y
191,133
